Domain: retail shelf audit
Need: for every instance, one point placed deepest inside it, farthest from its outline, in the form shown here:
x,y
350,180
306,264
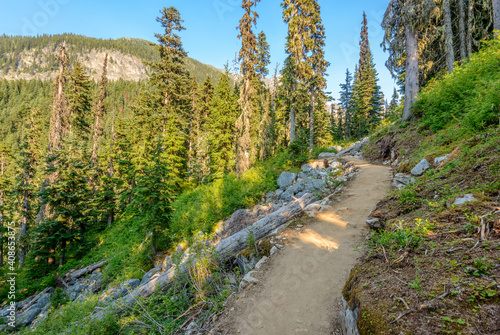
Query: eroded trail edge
x,y
299,288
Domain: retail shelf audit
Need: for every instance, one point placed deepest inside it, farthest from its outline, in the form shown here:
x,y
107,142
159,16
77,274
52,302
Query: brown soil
x,y
300,287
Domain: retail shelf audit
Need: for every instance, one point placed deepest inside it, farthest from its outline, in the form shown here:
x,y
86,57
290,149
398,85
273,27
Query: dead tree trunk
x,y
448,33
411,80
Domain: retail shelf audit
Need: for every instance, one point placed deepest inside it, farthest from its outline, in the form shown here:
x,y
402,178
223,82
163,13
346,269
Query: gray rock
x,y
349,319
375,224
402,179
302,175
95,282
465,199
168,261
299,186
439,160
286,179
313,207
279,192
287,195
131,284
74,290
248,279
353,150
246,264
420,168
306,168
153,273
28,316
261,263
314,185
273,251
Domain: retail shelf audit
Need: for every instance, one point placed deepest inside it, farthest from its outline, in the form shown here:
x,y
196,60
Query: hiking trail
x,y
300,287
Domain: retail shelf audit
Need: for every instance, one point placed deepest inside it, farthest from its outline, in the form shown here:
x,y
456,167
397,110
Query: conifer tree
x,y
366,92
171,86
223,114
346,102
448,33
264,56
248,56
4,186
99,111
25,188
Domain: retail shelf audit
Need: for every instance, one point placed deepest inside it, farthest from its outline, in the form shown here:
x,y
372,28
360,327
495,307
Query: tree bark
x,y
311,123
471,26
230,246
496,15
461,25
411,80
24,226
448,36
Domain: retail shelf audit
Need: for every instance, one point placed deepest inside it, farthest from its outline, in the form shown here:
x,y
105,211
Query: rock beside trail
x,y
402,179
286,179
465,199
375,224
420,168
438,160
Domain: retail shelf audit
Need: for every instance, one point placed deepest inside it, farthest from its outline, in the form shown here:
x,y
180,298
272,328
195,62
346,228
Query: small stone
x,y
439,160
274,250
465,199
375,224
261,262
420,168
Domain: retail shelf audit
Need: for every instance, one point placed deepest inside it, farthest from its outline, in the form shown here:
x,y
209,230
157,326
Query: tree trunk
x,y
311,123
111,174
24,227
448,37
411,79
471,27
2,195
463,49
496,15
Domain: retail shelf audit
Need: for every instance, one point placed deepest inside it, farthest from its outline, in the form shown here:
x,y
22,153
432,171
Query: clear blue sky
x,y
211,35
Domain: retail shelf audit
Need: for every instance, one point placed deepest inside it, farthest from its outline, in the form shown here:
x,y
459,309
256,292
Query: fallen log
x,y
226,248
84,271
230,246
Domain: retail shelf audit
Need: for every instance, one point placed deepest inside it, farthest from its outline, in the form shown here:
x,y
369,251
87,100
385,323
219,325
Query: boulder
x,y
306,168
465,199
402,179
248,279
261,263
246,264
314,185
168,261
299,186
420,168
375,224
274,251
74,290
95,281
349,319
439,160
286,179
288,194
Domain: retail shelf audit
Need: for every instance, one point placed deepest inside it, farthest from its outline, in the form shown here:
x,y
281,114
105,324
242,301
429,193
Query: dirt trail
x,y
299,289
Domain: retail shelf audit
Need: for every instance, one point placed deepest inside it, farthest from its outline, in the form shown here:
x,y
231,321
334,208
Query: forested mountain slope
x,y
35,57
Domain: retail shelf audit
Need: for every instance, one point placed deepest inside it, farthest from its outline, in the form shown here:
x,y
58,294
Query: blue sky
x,y
211,35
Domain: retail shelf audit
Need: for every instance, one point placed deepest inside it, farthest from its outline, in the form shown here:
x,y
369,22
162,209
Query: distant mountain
x,y
35,57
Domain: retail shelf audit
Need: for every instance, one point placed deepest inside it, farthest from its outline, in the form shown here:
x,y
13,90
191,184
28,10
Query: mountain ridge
x,y
35,57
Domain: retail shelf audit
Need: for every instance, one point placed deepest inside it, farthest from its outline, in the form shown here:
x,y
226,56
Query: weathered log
x,y
230,246
226,248
85,270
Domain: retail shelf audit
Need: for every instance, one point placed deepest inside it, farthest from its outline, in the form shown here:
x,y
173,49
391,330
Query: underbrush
x,y
434,268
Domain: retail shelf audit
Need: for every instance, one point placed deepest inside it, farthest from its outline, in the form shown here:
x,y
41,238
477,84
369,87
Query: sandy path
x,y
299,288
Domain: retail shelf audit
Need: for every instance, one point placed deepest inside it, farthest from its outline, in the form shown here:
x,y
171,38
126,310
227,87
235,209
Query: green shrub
x,y
469,93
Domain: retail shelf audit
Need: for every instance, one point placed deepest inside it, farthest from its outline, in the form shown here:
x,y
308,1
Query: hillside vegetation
x,y
35,57
434,267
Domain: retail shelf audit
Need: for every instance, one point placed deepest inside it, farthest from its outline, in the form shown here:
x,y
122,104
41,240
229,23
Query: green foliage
x,y
201,208
58,298
468,94
403,235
